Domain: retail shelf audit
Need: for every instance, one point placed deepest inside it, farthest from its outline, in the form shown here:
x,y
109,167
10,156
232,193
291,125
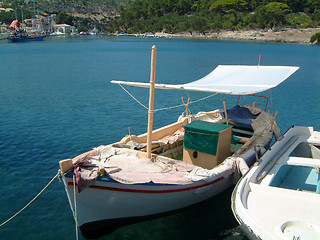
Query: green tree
x,y
316,16
199,24
184,6
228,7
63,17
272,14
299,20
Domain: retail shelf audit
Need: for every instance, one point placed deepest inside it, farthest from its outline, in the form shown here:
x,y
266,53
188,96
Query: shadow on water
x,y
212,219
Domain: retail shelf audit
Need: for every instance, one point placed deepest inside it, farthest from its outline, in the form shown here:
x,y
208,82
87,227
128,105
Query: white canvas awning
x,y
232,79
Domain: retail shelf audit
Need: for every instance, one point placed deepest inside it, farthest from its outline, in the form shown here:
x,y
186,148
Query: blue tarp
x,y
241,116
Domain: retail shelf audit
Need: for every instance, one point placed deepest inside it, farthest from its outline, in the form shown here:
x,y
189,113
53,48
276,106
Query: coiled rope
x,y
161,109
30,201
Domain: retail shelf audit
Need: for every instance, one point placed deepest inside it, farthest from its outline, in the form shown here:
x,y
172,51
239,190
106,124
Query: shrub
x,y
299,20
315,37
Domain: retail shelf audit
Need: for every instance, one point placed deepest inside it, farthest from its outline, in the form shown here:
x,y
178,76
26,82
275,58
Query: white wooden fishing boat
x,y
178,165
279,197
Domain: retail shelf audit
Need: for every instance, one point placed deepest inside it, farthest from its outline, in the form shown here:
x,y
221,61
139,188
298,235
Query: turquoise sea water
x,y
56,101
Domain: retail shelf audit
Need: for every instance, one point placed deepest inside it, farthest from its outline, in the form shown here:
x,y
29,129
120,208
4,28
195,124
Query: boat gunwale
x,y
180,188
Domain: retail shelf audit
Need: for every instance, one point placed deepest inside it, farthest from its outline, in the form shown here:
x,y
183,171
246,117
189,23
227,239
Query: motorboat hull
x,y
279,197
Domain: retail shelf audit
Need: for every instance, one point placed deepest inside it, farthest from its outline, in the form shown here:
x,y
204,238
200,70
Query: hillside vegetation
x,y
203,15
172,16
84,14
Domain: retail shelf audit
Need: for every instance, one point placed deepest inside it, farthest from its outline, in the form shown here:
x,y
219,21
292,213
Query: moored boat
x,y
279,197
18,34
22,36
178,165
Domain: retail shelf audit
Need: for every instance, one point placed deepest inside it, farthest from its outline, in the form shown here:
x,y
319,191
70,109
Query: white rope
x,y
75,205
70,203
30,201
133,97
69,199
167,108
181,105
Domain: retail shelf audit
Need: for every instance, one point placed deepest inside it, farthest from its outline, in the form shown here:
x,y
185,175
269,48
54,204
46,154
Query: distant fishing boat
x,y
279,197
178,165
20,35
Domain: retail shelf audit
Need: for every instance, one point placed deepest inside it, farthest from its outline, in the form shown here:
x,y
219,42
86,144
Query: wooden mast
x,y
151,100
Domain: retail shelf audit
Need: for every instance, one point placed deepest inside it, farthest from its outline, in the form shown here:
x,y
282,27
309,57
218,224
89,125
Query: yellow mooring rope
x,y
31,200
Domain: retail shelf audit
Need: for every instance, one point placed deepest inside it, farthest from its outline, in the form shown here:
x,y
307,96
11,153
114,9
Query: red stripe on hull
x,y
151,191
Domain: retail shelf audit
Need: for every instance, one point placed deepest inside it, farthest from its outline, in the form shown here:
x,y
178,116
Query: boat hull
x,y
127,204
25,39
108,204
278,199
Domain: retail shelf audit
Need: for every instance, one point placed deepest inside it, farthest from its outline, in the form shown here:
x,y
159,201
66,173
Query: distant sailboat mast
x,y
21,16
34,14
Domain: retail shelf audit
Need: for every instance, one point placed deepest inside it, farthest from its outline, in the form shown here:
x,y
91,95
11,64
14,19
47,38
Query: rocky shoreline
x,y
281,35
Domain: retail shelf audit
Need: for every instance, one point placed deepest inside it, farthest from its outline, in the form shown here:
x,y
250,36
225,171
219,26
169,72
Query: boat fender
x,y
181,117
242,166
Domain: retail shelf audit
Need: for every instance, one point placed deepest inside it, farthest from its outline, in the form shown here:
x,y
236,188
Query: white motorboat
x,y
279,197
178,165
